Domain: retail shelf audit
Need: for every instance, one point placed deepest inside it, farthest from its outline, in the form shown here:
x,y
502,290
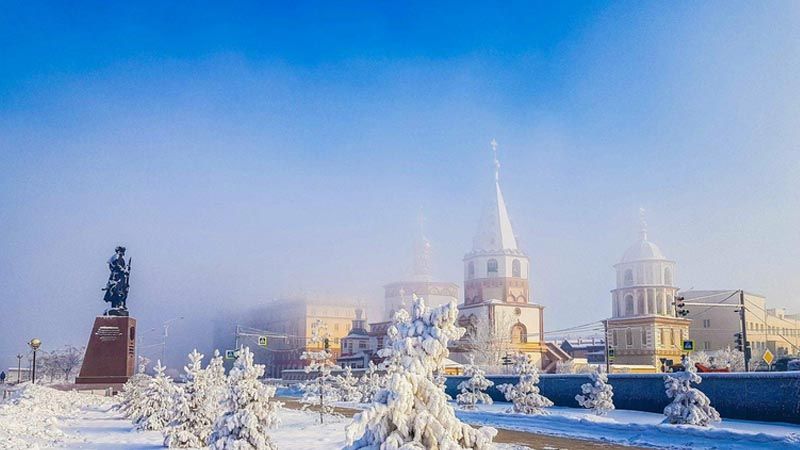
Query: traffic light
x,y
327,343
737,339
680,307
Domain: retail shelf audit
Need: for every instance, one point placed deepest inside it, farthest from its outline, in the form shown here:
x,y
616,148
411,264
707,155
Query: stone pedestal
x,y
110,357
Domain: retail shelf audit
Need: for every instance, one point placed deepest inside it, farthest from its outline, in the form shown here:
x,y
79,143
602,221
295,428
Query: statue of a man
x,y
117,286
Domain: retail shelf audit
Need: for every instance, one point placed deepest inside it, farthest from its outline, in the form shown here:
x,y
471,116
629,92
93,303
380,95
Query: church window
x,y
644,337
629,337
491,266
519,334
515,268
471,270
628,305
668,277
641,305
628,277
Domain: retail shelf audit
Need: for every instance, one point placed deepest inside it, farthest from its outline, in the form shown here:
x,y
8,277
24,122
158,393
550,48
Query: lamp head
x,y
35,343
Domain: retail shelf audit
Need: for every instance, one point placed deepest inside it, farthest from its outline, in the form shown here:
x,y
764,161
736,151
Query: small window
x,y
668,277
644,337
628,277
471,270
516,269
629,337
491,266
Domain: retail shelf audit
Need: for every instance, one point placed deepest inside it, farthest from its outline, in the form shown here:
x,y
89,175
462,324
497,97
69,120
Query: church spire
x,y
495,231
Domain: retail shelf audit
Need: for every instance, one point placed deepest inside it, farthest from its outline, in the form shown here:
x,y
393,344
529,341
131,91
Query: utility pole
x,y
745,344
605,338
19,368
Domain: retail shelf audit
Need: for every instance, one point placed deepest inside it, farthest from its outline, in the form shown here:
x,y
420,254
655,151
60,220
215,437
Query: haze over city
x,y
248,154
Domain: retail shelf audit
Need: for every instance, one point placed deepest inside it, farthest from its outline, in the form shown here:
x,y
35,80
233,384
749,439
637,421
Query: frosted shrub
x,y
598,394
347,385
370,383
195,408
525,394
158,398
411,412
472,390
689,405
248,411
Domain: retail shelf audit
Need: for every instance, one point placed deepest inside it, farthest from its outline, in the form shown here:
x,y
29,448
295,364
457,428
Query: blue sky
x,y
244,153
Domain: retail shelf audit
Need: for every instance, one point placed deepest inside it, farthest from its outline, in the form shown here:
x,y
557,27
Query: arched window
x,y
491,266
515,268
668,277
640,303
628,277
628,305
519,334
471,270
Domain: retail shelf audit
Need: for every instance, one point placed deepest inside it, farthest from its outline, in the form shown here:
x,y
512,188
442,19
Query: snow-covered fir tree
x,y
598,394
319,391
195,409
158,399
216,380
472,390
730,358
411,412
347,386
249,413
131,398
689,405
525,394
370,382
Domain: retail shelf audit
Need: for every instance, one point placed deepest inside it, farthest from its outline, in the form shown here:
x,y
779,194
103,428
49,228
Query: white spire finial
x,y
496,161
642,225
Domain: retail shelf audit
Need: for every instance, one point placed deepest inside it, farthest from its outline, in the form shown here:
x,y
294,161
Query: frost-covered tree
x,y
319,391
472,389
701,357
347,386
131,398
525,394
730,358
158,399
195,408
489,341
143,363
411,412
597,395
370,383
249,413
215,378
689,405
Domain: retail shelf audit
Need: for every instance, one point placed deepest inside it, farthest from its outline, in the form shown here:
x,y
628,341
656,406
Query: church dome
x,y
641,251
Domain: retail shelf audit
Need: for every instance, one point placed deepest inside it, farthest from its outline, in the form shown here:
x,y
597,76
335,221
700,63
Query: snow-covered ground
x,y
640,428
39,417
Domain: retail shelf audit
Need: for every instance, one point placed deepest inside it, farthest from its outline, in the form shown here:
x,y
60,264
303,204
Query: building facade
x,y
297,319
713,328
643,330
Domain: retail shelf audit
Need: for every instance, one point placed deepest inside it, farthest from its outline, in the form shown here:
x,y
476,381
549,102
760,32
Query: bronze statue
x,y
117,286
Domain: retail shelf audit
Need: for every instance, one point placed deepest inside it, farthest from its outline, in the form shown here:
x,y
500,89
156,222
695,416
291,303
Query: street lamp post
x,y
166,333
19,368
35,343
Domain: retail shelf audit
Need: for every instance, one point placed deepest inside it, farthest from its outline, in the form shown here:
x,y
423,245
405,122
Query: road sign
x,y
768,357
688,345
231,354
262,341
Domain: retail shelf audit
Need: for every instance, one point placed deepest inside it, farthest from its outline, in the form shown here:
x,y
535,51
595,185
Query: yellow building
x,y
297,319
